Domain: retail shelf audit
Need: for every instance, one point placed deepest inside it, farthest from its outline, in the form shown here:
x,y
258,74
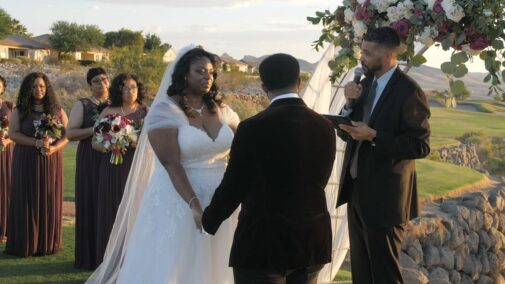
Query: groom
x,y
280,162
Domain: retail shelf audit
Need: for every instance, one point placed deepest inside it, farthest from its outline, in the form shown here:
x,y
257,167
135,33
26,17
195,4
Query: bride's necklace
x,y
198,110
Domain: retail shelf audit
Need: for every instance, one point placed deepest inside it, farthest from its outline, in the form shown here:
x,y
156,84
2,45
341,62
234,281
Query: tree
x,y
71,37
153,42
5,24
148,66
123,37
9,25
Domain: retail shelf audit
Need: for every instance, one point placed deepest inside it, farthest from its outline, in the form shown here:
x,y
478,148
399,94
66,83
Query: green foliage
x,y
9,25
153,42
71,37
148,66
123,38
459,90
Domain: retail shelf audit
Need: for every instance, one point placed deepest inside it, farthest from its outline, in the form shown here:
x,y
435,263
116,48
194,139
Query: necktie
x,y
367,111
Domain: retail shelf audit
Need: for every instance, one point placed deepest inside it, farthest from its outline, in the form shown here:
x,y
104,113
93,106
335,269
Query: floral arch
x,y
470,28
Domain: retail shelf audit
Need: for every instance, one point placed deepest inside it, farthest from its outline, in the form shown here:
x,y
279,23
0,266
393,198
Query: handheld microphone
x,y
358,72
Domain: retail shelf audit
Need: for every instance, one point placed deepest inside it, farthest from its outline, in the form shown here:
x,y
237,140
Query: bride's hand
x,y
196,208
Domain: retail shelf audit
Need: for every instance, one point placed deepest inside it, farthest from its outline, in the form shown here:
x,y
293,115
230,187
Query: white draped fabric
x,y
327,98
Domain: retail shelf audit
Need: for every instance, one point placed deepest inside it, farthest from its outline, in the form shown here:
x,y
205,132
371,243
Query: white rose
x,y
359,28
430,3
393,14
348,15
426,36
453,11
361,2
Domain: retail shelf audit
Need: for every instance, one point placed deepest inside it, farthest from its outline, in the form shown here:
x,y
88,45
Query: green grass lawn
x,y
56,268
447,124
486,106
69,172
439,178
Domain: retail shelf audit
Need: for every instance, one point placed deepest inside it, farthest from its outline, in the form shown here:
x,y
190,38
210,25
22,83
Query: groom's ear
x,y
264,88
298,84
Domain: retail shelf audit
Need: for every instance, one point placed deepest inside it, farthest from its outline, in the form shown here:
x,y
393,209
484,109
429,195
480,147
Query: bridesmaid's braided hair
x,y
25,100
212,99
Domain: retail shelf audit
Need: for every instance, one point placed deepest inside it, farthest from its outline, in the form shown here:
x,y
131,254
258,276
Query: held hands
x,y
359,131
352,91
197,211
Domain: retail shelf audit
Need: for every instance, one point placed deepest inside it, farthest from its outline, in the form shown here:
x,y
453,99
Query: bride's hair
x,y
212,99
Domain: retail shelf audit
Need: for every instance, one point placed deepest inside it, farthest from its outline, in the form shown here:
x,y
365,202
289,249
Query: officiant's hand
x,y
197,210
352,91
359,131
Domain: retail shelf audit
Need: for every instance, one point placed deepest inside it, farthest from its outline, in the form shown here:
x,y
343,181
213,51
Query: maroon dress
x,y
86,185
5,174
34,221
110,190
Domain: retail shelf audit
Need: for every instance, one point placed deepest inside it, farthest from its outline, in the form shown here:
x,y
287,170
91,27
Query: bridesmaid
x,y
34,226
80,128
5,162
126,94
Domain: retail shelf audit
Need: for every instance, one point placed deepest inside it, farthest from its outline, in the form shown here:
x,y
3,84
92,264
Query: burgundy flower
x,y
437,8
402,27
116,128
418,13
443,30
479,43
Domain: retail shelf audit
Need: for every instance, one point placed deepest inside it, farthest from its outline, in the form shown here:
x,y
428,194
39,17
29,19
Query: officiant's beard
x,y
370,70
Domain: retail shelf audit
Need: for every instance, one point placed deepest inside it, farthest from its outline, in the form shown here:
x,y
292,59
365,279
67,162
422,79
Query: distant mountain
x,y
430,78
305,66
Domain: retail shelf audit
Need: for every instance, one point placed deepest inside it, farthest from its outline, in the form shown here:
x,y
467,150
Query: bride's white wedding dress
x,y
165,246
154,238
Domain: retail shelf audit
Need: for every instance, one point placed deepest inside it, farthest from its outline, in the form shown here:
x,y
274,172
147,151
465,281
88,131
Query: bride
x,y
157,236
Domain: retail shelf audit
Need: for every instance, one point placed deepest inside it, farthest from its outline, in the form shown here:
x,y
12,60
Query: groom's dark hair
x,y
279,71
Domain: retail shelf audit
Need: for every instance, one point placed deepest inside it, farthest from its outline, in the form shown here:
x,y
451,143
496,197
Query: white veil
x,y
164,113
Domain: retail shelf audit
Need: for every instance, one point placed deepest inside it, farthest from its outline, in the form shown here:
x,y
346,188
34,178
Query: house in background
x,y
16,46
95,54
169,55
229,63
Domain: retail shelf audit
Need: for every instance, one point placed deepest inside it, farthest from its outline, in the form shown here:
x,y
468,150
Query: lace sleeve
x,y
229,115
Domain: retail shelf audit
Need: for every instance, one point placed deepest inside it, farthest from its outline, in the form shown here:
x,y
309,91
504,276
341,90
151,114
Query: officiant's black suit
x,y
383,196
280,162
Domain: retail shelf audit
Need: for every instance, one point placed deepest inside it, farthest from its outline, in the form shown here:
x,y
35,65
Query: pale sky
x,y
237,27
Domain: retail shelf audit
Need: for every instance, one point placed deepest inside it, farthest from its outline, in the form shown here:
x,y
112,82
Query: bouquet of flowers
x,y
115,133
48,126
4,128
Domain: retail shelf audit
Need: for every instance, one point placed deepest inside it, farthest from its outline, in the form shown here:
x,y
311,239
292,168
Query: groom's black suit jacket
x,y
387,180
280,162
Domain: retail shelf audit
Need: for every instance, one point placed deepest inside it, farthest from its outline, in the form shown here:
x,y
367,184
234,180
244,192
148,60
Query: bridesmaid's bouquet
x,y
4,128
48,126
116,133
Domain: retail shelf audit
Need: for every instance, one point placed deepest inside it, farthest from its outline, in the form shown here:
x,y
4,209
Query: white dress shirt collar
x,y
285,96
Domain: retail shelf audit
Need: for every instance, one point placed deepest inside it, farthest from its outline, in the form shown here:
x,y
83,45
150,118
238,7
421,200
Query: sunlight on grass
x,y
57,268
69,172
439,178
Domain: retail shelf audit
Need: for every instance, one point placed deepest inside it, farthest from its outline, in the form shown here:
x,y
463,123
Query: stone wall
x,y
457,240
463,155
